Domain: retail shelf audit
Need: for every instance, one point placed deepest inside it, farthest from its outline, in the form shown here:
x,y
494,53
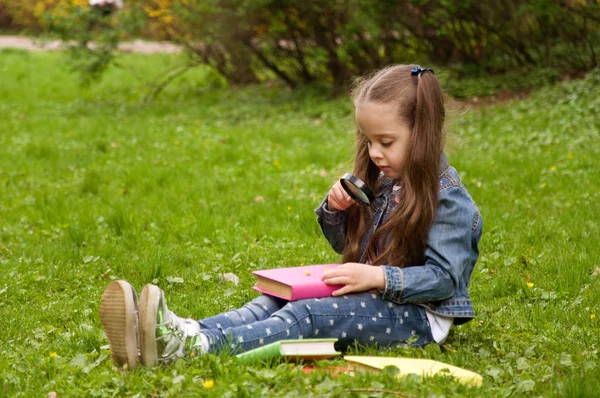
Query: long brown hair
x,y
419,101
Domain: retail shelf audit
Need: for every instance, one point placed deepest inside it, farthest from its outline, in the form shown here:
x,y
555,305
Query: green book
x,y
292,350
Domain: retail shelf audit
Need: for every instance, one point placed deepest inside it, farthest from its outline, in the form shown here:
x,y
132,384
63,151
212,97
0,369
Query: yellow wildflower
x,y
208,383
592,316
553,168
571,155
52,354
530,284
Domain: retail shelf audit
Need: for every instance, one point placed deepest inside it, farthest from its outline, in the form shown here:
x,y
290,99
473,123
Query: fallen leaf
x,y
79,360
174,279
178,379
231,277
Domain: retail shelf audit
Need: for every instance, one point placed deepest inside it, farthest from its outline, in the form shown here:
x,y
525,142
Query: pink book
x,y
295,283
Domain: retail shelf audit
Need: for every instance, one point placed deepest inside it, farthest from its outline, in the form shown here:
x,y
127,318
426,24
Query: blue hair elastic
x,y
417,71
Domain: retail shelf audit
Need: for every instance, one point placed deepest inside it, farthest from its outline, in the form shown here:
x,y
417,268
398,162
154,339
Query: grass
x,y
204,181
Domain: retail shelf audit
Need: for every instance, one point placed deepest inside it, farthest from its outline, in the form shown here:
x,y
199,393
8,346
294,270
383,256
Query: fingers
x,y
341,193
338,277
329,276
336,203
342,291
349,288
338,199
337,272
340,280
338,187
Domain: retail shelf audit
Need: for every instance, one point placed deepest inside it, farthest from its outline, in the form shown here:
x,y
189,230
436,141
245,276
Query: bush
x,y
28,14
249,41
91,37
320,40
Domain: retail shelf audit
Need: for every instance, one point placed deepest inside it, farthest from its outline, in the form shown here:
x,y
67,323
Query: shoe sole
x,y
117,315
147,317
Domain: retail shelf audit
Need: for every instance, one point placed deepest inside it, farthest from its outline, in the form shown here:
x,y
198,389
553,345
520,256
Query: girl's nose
x,y
375,153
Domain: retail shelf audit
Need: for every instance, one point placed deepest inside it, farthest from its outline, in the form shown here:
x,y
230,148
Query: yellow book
x,y
421,367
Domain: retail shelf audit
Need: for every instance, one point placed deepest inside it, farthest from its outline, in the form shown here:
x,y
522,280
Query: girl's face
x,y
386,134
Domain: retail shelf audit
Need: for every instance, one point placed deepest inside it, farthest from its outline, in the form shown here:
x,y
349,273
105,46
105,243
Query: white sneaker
x,y
119,318
165,337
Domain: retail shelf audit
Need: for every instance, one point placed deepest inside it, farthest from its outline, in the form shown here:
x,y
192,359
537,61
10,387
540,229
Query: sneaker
x,y
119,317
165,337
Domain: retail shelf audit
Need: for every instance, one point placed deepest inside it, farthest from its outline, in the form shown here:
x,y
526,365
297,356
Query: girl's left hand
x,y
356,277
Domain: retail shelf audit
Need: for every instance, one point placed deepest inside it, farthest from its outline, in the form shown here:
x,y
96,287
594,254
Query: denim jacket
x,y
441,284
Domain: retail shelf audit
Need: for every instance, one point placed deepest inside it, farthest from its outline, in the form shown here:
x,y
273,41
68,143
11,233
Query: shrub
x,y
249,41
28,14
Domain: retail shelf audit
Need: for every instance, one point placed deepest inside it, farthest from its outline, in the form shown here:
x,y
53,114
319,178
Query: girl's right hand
x,y
337,198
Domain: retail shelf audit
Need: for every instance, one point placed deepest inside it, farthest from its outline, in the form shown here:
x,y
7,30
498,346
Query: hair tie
x,y
417,71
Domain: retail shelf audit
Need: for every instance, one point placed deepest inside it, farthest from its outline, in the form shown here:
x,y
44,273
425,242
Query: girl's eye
x,y
387,144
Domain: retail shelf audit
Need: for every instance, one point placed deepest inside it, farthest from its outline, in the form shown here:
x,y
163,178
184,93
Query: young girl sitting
x,y
407,258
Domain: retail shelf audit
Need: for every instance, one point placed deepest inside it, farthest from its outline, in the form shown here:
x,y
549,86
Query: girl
x,y
408,257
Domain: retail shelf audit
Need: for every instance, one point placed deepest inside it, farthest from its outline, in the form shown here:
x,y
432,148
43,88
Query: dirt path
x,y
137,46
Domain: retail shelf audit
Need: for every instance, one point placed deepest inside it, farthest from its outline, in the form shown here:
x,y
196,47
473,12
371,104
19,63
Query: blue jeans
x,y
365,318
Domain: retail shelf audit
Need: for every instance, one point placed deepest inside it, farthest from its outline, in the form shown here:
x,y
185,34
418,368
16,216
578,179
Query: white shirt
x,y
440,326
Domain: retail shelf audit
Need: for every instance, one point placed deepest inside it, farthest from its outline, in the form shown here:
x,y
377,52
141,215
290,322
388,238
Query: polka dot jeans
x,y
363,317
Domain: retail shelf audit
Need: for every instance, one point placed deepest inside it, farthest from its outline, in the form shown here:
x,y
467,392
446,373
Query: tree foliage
x,y
321,40
249,41
90,35
29,14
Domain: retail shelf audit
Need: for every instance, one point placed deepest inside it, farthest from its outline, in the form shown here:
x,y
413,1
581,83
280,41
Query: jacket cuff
x,y
394,284
331,217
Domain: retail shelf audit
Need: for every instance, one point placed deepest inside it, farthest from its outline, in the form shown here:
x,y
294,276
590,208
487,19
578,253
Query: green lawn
x,y
203,181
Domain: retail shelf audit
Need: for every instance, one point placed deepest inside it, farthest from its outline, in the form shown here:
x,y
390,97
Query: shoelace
x,y
174,334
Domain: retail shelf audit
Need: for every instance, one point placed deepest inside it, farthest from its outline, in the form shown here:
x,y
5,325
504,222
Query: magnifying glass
x,y
358,190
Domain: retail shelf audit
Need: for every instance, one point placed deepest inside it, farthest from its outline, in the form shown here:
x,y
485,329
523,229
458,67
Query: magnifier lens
x,y
357,189
357,192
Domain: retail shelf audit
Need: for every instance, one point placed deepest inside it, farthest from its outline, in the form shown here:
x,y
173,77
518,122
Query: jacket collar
x,y
444,166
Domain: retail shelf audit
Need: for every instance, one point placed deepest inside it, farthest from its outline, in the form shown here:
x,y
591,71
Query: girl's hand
x,y
338,199
356,277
